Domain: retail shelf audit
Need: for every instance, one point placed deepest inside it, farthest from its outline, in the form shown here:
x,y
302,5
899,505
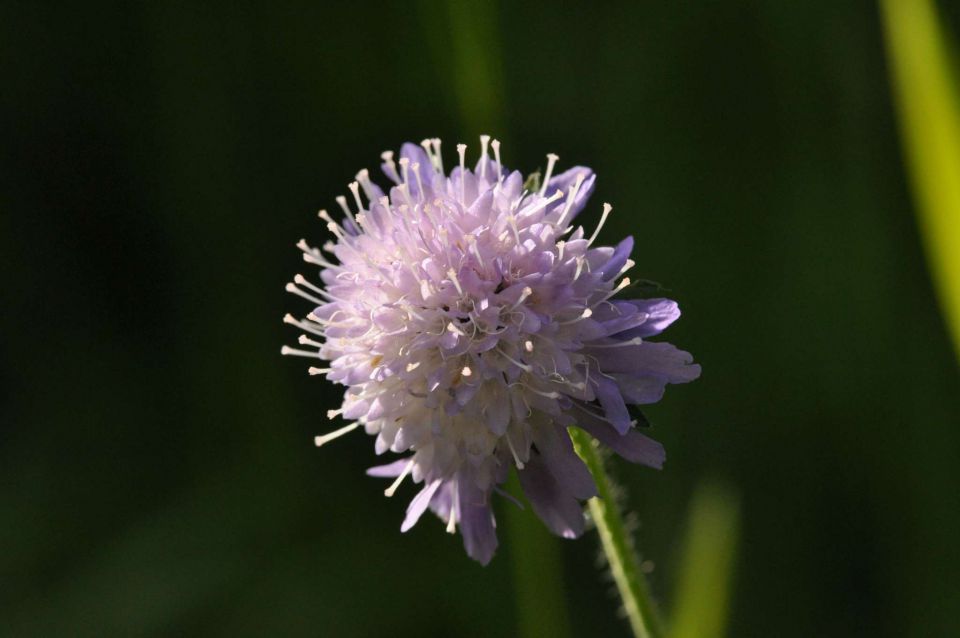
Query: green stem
x,y
616,543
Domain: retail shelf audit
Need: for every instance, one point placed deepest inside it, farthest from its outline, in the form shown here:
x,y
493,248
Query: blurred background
x,y
158,162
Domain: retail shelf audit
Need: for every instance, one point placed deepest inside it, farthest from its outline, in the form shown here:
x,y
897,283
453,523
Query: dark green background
x,y
158,162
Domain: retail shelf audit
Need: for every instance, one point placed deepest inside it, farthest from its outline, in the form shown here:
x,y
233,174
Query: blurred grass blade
x,y
929,110
537,572
703,590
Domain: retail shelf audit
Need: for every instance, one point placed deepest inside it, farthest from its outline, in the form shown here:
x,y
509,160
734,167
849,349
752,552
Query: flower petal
x,y
419,505
662,312
633,446
567,468
560,511
476,522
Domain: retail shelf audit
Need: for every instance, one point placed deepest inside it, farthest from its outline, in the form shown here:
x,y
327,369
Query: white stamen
x,y
526,292
636,341
462,151
551,160
287,350
456,282
466,371
363,176
543,203
416,172
413,366
343,205
355,189
326,438
484,142
522,366
391,168
292,288
405,169
436,150
312,371
513,451
528,345
603,218
393,486
304,340
571,197
303,325
512,220
496,154
452,521
429,150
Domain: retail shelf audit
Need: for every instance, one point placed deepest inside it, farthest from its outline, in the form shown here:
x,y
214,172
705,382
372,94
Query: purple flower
x,y
472,323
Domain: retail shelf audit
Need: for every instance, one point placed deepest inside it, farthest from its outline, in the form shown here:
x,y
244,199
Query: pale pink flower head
x,y
472,322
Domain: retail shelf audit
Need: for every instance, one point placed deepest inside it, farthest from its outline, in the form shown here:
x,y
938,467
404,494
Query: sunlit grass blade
x,y
705,580
929,109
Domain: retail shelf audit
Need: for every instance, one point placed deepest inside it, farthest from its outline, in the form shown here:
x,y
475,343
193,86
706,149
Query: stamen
x,y
452,521
543,203
416,172
522,366
292,288
456,282
526,292
304,340
436,150
528,345
393,486
636,341
496,154
466,371
363,176
355,189
287,350
484,142
462,151
343,205
315,371
512,220
571,197
303,325
405,169
551,160
326,438
413,366
513,451
429,149
391,168
586,314
603,218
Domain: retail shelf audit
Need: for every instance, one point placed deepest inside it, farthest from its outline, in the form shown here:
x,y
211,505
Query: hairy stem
x,y
616,542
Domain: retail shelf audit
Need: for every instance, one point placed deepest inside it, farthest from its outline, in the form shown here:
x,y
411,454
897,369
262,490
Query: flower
x,y
472,324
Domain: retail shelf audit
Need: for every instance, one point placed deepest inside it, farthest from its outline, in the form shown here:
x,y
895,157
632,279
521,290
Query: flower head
x,y
472,323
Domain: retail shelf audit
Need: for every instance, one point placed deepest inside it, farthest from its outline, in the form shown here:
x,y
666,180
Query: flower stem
x,y
617,544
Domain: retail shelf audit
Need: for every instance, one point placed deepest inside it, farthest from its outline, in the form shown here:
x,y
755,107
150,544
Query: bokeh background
x,y
158,162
